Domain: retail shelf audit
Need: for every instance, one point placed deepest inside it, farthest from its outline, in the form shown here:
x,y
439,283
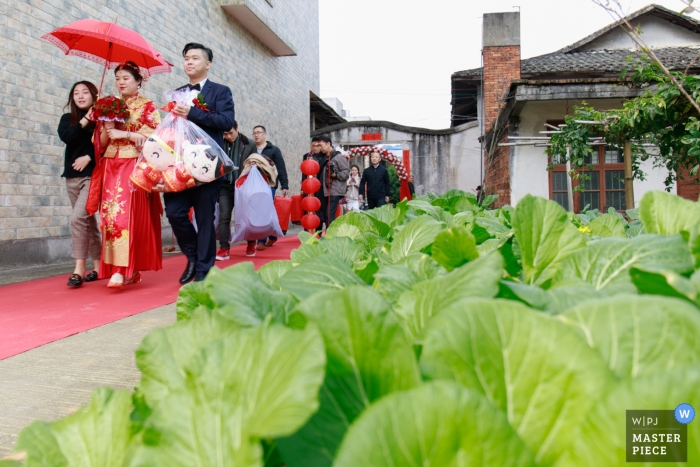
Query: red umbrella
x,y
108,45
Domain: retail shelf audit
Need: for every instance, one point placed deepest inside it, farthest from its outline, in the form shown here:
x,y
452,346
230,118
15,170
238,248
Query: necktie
x,y
194,86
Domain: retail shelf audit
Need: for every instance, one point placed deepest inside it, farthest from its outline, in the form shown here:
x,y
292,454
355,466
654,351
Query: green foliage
x,y
660,117
394,185
97,434
440,423
436,332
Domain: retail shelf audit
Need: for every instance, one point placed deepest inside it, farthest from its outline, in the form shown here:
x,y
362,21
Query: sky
x,y
392,59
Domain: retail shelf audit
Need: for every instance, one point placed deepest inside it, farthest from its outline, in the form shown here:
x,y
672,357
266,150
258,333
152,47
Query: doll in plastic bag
x,y
179,155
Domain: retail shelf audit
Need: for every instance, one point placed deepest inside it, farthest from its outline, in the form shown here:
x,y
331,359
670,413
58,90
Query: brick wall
x,y
498,176
501,67
35,79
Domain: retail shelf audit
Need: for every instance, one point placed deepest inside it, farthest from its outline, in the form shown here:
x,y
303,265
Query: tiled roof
x,y
671,16
596,62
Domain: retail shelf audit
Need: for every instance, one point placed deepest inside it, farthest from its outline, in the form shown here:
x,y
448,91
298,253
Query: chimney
x,y
501,52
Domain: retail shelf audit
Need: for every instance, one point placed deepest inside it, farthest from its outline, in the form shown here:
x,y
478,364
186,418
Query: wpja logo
x,y
658,435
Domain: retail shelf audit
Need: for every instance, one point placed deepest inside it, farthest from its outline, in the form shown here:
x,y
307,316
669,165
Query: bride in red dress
x,y
130,220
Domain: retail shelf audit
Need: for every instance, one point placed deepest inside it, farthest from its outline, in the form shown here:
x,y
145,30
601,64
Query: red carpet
x,y
37,312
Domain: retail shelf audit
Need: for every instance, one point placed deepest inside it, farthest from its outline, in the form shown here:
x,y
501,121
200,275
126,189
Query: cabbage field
x,y
435,333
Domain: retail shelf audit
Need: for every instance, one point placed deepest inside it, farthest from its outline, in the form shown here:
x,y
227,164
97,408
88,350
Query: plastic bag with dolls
x,y
179,155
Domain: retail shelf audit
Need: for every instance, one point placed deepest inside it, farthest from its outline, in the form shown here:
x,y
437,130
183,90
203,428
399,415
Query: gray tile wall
x,y
35,78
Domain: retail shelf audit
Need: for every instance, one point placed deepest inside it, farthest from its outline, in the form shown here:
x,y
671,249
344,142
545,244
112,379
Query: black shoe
x,y
188,274
75,280
91,277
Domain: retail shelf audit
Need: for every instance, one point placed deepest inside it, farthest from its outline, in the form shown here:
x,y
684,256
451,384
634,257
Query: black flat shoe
x,y
91,277
188,274
75,280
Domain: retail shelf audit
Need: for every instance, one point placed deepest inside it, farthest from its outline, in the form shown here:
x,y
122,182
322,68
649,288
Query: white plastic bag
x,y
254,209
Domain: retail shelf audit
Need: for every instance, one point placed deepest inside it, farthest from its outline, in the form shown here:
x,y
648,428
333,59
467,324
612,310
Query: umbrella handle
x,y
109,58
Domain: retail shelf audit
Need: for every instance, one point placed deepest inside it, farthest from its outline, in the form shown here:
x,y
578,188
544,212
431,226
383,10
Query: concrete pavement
x,y
54,380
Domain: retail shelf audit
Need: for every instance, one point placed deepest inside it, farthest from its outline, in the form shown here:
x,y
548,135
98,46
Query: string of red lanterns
x,y
311,204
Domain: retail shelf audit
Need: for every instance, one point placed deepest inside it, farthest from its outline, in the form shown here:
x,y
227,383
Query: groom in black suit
x,y
200,247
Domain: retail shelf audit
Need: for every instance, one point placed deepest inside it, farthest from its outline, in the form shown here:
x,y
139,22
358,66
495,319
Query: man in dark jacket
x,y
238,147
376,179
334,174
272,152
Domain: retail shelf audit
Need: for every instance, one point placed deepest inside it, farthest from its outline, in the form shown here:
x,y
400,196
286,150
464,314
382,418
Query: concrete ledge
x,y
392,126
582,91
29,252
258,25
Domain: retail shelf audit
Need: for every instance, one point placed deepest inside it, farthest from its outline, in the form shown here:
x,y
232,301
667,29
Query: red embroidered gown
x,y
130,220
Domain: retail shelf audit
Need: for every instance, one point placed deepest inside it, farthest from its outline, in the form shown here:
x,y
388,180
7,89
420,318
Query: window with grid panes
x,y
559,193
603,186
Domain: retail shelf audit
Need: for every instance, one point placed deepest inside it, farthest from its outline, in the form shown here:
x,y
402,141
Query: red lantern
x,y
310,167
311,204
310,186
310,221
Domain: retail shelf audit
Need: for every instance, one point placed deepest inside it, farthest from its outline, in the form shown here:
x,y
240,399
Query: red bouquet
x,y
111,108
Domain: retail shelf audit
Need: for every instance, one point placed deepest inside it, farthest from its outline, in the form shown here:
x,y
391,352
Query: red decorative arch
x,y
388,156
397,162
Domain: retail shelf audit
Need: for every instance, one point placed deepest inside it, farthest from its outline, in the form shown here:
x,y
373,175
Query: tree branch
x,y
637,39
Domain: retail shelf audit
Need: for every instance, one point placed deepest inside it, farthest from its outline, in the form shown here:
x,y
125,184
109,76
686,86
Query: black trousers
x,y
226,199
375,202
324,214
198,245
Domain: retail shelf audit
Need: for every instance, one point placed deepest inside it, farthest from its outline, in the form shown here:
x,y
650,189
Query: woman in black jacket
x,y
75,129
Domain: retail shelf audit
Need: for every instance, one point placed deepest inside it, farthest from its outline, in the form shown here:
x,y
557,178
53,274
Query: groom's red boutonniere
x,y
199,102
196,102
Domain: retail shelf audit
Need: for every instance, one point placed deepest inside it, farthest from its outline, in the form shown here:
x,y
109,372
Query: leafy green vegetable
x,y
478,278
606,263
256,383
190,297
347,249
307,251
454,247
351,219
314,361
164,353
666,283
515,356
394,279
96,435
438,424
601,440
527,294
417,234
638,335
242,296
607,225
667,214
545,236
368,357
273,271
326,272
